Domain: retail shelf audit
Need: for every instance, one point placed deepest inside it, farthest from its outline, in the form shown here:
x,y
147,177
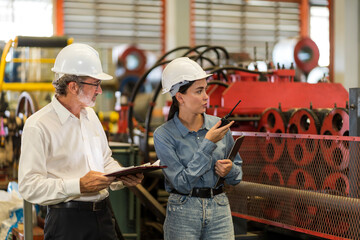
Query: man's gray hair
x,y
61,83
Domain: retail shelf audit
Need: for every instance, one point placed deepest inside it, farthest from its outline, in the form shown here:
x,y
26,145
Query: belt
x,y
202,192
86,206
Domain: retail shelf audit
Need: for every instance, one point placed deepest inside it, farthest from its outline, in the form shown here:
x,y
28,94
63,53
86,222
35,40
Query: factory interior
x,y
294,64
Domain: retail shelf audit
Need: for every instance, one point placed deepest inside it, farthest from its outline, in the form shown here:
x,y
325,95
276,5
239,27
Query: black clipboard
x,y
134,170
234,151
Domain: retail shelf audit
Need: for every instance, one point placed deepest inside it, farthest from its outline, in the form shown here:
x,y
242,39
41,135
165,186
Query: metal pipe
x,y
28,224
249,189
354,130
28,87
252,199
3,62
34,60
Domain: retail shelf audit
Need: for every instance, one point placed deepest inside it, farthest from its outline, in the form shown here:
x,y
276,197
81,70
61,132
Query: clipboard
x,y
134,170
234,151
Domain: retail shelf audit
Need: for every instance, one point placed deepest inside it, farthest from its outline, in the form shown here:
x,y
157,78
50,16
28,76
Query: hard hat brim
x,y
102,76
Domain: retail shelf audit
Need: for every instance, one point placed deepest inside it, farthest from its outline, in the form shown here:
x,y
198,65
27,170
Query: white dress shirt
x,y
57,149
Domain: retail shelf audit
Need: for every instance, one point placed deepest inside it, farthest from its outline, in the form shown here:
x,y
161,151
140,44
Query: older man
x,y
65,153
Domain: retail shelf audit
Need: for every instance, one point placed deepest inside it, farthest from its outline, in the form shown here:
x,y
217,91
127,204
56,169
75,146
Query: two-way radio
x,y
224,120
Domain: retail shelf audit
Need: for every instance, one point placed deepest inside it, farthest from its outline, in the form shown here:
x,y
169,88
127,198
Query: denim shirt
x,y
190,158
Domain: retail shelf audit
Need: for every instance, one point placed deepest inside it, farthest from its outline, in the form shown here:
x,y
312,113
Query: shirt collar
x,y
63,113
184,131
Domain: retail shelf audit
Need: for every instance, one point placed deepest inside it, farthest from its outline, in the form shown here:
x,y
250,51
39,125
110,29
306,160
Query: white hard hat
x,y
81,60
180,70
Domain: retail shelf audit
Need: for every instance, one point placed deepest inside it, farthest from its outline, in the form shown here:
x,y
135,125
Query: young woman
x,y
194,148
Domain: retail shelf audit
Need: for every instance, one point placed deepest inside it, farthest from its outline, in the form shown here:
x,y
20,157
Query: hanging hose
x,y
171,51
133,96
148,121
216,52
194,49
205,58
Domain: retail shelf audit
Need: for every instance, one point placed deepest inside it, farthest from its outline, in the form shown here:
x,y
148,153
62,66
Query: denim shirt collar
x,y
184,130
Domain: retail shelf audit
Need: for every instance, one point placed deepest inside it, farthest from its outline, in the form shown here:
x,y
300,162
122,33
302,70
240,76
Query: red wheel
x,y
302,151
336,153
272,121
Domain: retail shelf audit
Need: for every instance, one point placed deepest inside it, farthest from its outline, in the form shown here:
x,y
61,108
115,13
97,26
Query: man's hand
x,y
132,180
223,167
217,133
94,181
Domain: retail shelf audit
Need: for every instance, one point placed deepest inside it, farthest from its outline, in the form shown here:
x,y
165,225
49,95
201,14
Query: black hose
x,y
194,49
171,51
205,58
217,82
148,121
133,96
229,67
217,53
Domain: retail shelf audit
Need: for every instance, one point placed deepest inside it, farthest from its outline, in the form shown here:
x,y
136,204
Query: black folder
x,y
234,150
134,170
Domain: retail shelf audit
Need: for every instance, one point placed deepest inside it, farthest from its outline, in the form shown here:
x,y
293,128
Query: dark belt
x,y
86,206
202,192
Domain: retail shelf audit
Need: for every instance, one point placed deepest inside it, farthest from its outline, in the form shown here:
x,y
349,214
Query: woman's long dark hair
x,y
175,104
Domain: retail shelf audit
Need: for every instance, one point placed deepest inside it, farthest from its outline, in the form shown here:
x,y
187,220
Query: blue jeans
x,y
193,218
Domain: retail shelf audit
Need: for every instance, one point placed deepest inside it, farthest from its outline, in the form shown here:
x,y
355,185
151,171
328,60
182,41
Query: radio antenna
x,y
228,115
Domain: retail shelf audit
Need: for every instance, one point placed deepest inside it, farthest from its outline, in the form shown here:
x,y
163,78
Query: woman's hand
x,y
223,167
215,133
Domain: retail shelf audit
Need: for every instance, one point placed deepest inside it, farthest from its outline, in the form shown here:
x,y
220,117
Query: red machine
x,y
281,101
285,158
294,176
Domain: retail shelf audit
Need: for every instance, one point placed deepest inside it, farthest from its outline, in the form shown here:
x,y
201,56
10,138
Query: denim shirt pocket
x,y
221,199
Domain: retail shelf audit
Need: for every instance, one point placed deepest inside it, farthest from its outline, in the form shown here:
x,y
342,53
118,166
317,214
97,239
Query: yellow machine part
x,y
25,86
